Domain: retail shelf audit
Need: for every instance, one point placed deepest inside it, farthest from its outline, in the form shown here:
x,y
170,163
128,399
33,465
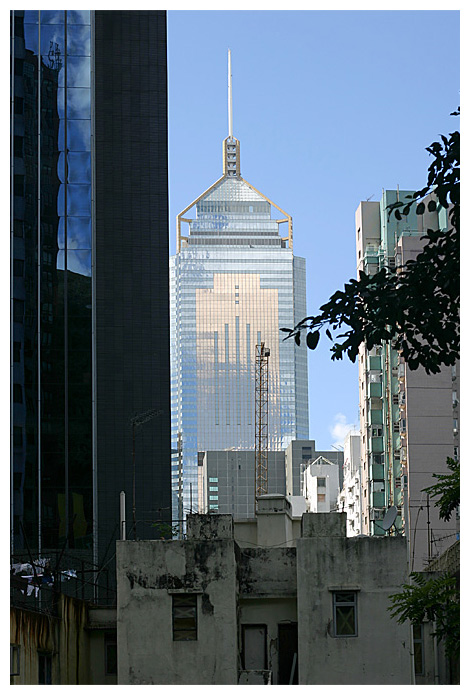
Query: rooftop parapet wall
x,y
267,572
324,525
208,527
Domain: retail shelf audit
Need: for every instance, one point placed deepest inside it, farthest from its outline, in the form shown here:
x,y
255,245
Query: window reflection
x,y
79,232
31,16
78,103
78,72
52,16
78,40
77,261
31,38
78,199
78,135
78,17
79,167
52,43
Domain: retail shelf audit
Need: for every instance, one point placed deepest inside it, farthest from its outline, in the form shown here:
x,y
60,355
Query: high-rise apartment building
x,y
409,419
89,286
234,283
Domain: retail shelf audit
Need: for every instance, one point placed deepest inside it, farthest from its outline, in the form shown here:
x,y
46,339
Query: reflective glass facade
x,y
52,279
89,209
234,283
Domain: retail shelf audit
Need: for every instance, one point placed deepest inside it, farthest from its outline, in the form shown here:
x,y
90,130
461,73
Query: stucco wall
x,y
147,574
375,567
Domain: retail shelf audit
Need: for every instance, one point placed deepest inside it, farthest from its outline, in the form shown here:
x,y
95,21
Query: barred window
x,y
418,649
184,617
345,613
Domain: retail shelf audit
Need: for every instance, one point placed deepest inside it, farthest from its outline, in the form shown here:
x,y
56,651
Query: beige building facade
x,y
409,420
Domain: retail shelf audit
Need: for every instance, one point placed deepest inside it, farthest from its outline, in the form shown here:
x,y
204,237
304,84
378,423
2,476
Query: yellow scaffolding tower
x,y
261,420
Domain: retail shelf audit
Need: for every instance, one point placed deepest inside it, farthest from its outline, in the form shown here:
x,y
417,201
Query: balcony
x,y
376,445
374,390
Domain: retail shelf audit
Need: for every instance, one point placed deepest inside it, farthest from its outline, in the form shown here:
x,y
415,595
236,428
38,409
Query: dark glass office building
x,y
89,279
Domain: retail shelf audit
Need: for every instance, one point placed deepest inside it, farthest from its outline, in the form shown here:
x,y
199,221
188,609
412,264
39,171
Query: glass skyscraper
x,y
234,282
89,304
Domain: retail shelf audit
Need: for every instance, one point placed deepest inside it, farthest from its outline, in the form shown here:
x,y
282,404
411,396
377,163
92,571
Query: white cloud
x,y
340,429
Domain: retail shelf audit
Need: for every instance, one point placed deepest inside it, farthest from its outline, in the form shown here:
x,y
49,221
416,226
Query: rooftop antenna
x,y
230,114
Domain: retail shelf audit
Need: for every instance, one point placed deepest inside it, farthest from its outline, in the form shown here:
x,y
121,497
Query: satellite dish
x,y
389,518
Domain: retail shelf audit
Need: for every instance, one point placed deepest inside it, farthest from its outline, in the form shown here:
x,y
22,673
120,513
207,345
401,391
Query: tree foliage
x,y
447,489
415,305
435,599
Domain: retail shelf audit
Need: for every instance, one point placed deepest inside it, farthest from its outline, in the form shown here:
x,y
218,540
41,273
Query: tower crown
x,y
231,156
231,146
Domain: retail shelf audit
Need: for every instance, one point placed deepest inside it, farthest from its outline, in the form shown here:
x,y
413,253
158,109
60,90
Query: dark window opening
x,y
17,393
18,267
16,351
14,660
19,105
17,436
45,669
184,617
110,646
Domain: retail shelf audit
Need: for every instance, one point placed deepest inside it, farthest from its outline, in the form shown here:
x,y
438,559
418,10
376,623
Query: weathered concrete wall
x,y
63,637
148,573
375,567
267,572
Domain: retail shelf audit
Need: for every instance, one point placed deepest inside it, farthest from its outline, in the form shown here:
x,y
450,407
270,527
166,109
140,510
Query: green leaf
x,y
420,208
397,214
297,338
432,205
312,339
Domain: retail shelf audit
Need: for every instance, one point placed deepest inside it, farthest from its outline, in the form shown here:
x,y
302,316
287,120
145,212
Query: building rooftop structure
x,y
272,600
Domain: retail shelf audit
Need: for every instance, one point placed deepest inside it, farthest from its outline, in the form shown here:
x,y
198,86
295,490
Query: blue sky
x,y
329,107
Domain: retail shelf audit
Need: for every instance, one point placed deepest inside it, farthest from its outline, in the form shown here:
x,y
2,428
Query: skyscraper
x,y
234,283
90,319
409,419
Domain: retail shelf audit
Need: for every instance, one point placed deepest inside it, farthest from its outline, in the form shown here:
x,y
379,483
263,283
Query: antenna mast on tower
x,y
261,420
230,112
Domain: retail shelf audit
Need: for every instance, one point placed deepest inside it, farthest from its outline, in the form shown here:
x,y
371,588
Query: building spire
x,y
230,112
231,144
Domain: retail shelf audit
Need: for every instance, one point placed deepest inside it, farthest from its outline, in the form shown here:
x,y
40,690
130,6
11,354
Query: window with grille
x,y
184,617
418,649
345,613
321,482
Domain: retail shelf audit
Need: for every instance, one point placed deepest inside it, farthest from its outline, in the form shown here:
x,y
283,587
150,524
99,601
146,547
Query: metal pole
x,y
133,482
230,115
122,514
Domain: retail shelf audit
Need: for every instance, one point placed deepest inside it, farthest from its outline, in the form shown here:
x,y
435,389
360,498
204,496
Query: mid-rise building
x,y
409,419
235,282
350,496
226,479
321,485
89,286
